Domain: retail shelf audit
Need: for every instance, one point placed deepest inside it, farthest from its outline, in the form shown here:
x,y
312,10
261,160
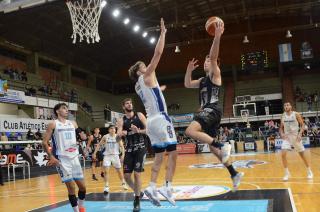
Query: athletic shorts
x,y
161,133
134,161
69,169
209,119
291,140
112,159
99,157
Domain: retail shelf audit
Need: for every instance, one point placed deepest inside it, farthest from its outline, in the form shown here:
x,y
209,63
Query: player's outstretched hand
x,y
162,26
219,29
192,65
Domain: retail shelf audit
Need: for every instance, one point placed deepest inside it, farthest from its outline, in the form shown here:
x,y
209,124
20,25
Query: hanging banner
x,y
23,125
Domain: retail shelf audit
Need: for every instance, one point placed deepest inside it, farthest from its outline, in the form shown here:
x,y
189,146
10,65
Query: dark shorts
x,y
134,161
99,157
209,119
169,148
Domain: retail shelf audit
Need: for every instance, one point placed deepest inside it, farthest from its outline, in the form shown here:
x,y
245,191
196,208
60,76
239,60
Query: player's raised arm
x,y
188,82
158,51
214,54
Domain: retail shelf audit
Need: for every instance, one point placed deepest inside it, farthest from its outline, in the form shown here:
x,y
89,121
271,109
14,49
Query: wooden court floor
x,y
37,192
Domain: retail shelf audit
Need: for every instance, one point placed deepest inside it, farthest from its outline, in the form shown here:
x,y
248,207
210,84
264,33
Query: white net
x,y
85,15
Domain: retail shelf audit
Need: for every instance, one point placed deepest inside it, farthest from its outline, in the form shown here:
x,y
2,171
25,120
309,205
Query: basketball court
x,y
89,43
203,189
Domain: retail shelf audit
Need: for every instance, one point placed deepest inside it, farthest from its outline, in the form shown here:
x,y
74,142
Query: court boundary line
x,y
294,209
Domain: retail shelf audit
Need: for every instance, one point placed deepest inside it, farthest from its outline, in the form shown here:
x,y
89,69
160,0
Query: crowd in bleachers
x,y
16,74
309,98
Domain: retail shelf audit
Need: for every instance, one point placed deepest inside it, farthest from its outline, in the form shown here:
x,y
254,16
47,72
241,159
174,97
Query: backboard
x,y
7,6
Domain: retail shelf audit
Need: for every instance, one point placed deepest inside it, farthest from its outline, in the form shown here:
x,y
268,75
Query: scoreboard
x,y
254,61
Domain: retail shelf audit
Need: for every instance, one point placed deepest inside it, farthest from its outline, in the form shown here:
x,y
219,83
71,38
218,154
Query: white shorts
x,y
291,140
112,159
161,131
70,169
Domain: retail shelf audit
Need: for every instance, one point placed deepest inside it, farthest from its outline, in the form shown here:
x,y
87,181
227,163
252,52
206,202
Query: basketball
x,y
210,24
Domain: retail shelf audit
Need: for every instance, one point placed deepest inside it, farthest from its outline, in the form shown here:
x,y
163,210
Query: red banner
x,y
186,148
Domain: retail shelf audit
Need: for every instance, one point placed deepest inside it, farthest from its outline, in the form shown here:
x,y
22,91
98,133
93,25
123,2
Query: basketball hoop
x,y
85,15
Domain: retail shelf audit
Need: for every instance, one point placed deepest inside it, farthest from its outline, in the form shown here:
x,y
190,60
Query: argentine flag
x,y
285,52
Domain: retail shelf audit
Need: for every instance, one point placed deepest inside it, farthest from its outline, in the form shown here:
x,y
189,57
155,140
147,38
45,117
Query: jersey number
x,y
68,135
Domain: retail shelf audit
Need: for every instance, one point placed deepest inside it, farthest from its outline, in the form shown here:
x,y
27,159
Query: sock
x,y
73,200
309,169
232,171
75,209
153,185
107,184
81,196
216,144
286,170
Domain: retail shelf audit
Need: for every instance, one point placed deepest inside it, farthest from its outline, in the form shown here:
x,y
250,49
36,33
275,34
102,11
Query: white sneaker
x,y
286,176
310,175
152,195
237,180
124,186
167,193
225,152
106,190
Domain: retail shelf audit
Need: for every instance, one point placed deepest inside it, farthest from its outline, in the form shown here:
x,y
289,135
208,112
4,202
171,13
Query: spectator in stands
x,y
309,102
4,137
1,179
271,124
28,147
266,107
73,95
24,76
30,135
38,135
86,106
266,124
107,113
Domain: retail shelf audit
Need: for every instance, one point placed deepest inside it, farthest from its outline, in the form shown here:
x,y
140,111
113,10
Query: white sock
x,y
309,169
153,185
80,202
76,209
286,170
107,184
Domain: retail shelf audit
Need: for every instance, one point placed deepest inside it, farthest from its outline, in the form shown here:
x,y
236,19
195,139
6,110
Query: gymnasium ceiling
x,y
47,28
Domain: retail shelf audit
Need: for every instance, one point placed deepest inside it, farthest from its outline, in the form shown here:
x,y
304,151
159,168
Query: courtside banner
x,y
13,96
182,118
285,52
22,125
186,148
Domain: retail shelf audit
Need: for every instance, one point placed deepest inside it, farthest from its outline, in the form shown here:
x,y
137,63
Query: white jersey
x,y
152,98
111,146
64,142
290,122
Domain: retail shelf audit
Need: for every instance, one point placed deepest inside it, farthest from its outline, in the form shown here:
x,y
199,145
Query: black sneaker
x,y
94,177
141,195
102,174
136,205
